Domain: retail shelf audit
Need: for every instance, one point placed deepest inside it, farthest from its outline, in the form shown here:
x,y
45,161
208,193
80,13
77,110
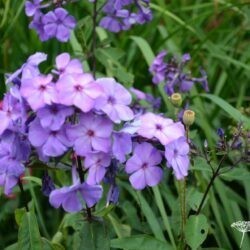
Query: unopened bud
x,y
176,99
188,117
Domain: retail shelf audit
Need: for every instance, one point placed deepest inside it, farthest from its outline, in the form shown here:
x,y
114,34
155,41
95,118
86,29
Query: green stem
x,y
182,196
163,213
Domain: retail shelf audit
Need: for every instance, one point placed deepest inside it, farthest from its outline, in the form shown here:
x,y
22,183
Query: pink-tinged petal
x,y
108,85
37,134
153,175
124,97
93,90
133,164
124,112
138,180
173,132
53,147
72,203
62,61
63,138
91,194
62,33
74,66
96,174
74,132
101,144
83,102
111,112
5,121
183,147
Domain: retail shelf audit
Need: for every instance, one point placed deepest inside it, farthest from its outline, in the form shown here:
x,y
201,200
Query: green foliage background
x,y
217,35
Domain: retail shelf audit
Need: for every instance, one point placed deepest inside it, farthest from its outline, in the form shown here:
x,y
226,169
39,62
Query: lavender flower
x,y
47,184
164,129
122,145
39,91
114,101
58,23
97,164
143,166
72,198
93,133
53,116
173,74
52,143
176,153
31,7
79,90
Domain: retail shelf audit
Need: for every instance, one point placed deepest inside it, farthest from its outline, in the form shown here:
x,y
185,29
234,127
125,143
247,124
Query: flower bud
x,y
176,99
188,117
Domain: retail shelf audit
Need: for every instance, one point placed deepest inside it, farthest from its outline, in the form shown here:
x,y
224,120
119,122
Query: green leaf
x,y
122,230
233,112
34,179
93,235
196,230
28,234
194,198
74,220
19,212
104,211
144,242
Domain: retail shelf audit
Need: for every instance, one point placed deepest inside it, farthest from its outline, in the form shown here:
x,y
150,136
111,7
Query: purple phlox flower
x,y
122,145
73,198
114,101
97,164
144,15
140,95
158,67
113,195
143,166
39,91
176,153
12,154
28,69
47,184
38,25
10,112
53,116
93,133
52,143
32,6
66,66
132,126
164,129
78,89
58,23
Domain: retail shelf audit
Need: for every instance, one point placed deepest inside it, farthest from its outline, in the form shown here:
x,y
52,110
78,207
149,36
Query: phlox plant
x,y
85,137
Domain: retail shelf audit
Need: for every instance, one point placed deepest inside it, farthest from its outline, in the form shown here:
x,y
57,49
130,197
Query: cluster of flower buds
x,y
68,112
173,75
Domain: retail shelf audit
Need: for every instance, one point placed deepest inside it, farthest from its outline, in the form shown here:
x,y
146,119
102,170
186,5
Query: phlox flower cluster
x,y
56,23
92,122
172,73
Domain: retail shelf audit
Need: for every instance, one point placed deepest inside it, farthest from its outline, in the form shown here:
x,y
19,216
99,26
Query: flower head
x,y
143,166
176,153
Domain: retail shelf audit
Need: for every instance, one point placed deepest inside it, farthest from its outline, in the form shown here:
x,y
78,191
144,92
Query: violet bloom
x,y
164,129
122,145
38,26
158,68
93,133
115,100
72,198
10,111
58,23
32,6
13,152
97,164
39,91
66,66
52,143
176,153
143,166
54,116
79,90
